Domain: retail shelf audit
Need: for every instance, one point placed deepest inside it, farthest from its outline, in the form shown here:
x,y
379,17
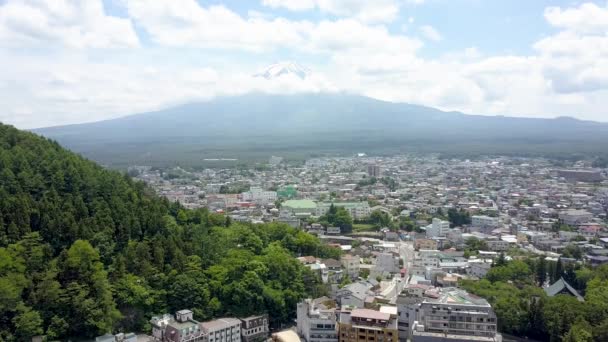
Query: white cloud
x,y
186,23
566,74
430,33
363,10
78,24
587,18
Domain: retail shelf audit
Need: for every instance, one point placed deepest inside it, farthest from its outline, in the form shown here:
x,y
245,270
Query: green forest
x,y
523,308
85,251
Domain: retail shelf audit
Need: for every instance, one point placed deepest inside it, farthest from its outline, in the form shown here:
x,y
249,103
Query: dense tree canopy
x,y
523,308
85,251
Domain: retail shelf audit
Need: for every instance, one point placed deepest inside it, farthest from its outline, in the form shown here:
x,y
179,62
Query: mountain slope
x,y
315,122
85,251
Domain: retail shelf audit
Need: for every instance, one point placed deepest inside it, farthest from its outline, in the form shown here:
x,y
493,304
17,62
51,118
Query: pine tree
x,y
541,271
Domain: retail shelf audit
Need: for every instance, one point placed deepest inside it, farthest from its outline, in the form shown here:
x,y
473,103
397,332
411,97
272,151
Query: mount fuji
x,y
281,69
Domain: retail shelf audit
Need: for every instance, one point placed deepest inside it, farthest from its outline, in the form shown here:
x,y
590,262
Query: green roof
x,y
300,204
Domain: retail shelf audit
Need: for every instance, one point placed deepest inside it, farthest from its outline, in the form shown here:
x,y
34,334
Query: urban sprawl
x,y
410,229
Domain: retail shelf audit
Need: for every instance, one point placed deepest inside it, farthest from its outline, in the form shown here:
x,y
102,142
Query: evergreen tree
x,y
541,271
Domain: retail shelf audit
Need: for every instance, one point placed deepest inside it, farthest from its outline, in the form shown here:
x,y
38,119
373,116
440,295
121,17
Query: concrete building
x,y
484,221
365,325
357,210
437,228
373,171
223,330
455,312
258,195
575,217
254,328
181,328
581,175
316,320
351,264
498,245
386,263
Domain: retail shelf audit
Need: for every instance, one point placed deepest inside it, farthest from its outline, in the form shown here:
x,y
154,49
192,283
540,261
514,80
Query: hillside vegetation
x,y
85,251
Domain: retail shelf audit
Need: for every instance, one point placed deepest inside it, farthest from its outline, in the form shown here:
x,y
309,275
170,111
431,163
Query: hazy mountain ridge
x,y
306,120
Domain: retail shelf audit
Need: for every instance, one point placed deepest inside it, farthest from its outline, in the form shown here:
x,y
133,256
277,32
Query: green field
x,y
363,227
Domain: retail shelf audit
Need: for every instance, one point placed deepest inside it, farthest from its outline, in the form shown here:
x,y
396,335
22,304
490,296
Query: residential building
x,y
373,171
387,263
223,330
254,328
181,328
316,320
437,228
455,312
484,221
357,210
365,325
575,217
351,264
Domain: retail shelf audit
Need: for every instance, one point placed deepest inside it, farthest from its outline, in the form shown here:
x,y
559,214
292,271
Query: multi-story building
x,y
575,217
365,325
484,221
254,328
351,264
455,312
373,171
181,328
386,263
223,330
258,195
497,245
437,228
357,210
316,320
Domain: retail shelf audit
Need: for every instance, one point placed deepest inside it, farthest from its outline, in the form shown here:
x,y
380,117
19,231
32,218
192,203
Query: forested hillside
x,y
85,251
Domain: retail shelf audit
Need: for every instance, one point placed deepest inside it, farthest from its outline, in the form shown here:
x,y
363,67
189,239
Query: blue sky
x,y
70,61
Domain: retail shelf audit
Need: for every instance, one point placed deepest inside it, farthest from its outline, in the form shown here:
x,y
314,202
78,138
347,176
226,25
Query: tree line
x,y
524,309
85,251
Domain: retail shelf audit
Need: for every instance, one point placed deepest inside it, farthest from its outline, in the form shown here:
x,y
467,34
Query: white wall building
x,y
437,228
315,322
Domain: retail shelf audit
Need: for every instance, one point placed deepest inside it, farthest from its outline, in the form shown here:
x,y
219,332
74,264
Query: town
x,y
411,230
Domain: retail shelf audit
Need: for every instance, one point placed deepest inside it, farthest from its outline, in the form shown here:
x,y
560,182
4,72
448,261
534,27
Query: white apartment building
x,y
223,330
258,195
484,221
437,228
456,312
497,245
357,210
316,322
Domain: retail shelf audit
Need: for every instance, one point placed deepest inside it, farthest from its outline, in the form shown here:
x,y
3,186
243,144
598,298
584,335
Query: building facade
x,y
255,328
316,322
365,325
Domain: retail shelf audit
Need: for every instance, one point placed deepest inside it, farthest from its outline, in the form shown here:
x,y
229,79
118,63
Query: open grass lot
x,y
363,227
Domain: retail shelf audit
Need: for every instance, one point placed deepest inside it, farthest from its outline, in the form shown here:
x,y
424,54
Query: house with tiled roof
x,y
562,287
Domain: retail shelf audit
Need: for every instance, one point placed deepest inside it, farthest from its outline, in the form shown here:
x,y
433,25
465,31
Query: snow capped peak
x,y
284,68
